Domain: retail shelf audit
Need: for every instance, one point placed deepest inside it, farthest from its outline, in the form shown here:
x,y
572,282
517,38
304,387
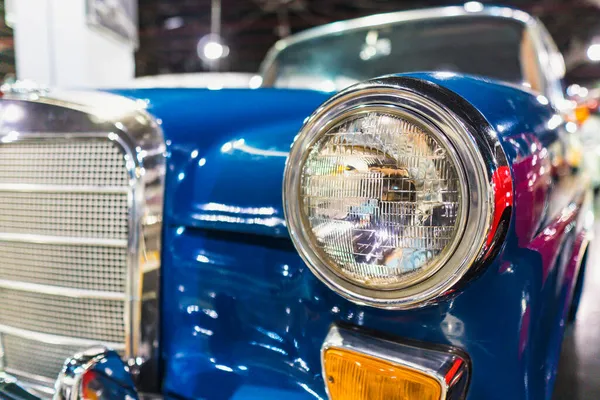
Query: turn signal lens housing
x,y
355,376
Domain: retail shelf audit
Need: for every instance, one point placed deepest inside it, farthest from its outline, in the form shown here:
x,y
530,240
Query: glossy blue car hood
x,y
227,151
227,148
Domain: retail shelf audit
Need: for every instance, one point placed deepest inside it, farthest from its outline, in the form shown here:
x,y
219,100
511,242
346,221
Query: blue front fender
x,y
243,317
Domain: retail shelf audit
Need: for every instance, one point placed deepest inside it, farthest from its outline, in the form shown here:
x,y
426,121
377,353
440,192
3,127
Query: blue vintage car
x,y
429,245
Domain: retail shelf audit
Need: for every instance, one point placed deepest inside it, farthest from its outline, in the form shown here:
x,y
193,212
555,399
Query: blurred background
x,y
82,43
170,29
7,47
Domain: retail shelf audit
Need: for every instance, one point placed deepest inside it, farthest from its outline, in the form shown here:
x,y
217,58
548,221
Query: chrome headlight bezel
x,y
474,149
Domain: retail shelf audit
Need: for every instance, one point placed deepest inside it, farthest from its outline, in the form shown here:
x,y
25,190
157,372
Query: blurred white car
x,y
209,80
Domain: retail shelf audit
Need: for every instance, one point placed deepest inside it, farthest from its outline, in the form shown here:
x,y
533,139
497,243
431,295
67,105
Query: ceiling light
x,y
593,52
173,23
211,48
473,6
573,90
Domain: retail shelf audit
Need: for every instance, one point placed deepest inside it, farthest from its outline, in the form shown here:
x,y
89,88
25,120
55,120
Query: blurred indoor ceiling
x,y
170,29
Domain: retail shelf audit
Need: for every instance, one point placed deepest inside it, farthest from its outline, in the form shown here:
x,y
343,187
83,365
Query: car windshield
x,y
486,46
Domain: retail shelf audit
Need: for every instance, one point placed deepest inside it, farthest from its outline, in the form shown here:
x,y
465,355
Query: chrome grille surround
x,y
81,235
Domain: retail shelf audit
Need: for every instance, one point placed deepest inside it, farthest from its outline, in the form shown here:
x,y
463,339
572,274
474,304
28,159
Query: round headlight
x,y
388,197
381,197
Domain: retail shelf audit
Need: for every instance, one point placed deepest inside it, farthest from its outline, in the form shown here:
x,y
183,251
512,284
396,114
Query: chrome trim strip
x,y
56,339
27,375
449,366
65,240
62,291
33,135
25,388
2,360
18,187
42,391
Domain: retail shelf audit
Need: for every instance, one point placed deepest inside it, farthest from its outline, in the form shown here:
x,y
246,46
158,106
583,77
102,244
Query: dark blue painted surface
x,y
227,149
244,318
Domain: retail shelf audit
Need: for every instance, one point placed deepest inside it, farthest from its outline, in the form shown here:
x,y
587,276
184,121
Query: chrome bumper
x,y
11,389
97,372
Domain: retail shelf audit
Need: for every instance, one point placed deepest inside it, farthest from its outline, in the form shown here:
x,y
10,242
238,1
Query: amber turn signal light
x,y
352,375
582,113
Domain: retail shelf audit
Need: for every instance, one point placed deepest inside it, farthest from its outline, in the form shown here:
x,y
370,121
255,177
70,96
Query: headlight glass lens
x,y
381,200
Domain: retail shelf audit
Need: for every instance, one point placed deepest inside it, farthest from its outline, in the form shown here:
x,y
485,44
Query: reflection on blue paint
x,y
269,347
241,146
203,331
309,390
237,209
270,222
223,368
272,335
226,147
211,313
203,259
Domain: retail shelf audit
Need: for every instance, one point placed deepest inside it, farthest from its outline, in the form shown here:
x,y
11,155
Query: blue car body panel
x,y
244,318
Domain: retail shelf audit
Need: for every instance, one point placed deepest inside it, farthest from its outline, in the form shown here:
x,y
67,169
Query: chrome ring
x,y
475,160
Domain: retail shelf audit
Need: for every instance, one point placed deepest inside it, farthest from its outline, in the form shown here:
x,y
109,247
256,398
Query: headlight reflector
x,y
382,197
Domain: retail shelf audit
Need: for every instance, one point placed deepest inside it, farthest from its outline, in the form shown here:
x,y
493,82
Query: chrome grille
x,y
64,231
95,319
92,215
63,161
85,267
34,358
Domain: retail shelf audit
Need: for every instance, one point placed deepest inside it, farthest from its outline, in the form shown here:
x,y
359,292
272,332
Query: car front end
x,y
427,245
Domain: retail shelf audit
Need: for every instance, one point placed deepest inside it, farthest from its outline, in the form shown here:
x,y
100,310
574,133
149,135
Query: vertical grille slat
x,y
54,191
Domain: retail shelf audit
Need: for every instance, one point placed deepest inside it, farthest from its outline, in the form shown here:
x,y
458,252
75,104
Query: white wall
x,y
54,46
